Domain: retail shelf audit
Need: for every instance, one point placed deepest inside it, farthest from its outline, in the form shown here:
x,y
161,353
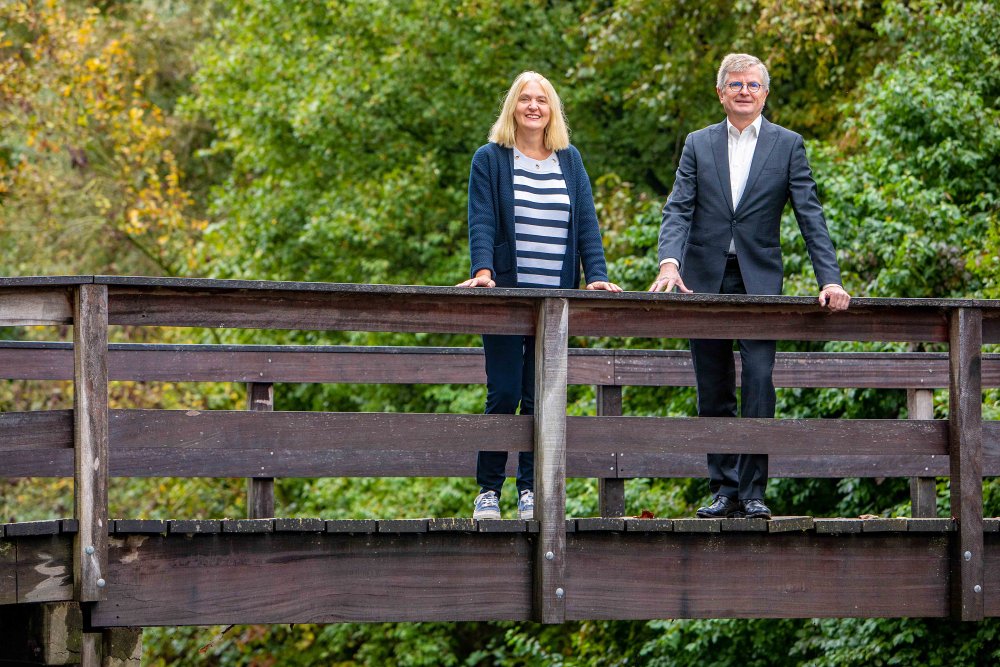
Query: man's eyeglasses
x,y
736,86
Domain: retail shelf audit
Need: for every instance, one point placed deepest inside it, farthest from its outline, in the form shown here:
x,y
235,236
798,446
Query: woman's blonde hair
x,y
504,129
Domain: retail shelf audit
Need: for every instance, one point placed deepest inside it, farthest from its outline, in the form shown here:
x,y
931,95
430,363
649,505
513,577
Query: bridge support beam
x,y
965,430
551,367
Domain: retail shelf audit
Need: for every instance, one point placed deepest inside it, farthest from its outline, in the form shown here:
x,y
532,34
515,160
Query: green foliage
x,y
341,133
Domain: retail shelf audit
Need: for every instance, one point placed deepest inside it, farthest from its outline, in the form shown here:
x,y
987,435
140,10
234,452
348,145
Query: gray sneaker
x,y
526,505
487,506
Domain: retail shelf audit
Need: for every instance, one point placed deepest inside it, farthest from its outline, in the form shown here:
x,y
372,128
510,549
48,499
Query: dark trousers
x,y
738,476
510,381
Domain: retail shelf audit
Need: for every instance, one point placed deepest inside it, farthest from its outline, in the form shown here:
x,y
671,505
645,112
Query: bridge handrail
x,y
93,303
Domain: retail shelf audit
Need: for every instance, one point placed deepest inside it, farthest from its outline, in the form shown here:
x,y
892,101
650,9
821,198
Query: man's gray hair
x,y
741,62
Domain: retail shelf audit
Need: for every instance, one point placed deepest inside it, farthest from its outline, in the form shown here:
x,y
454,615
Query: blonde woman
x,y
532,223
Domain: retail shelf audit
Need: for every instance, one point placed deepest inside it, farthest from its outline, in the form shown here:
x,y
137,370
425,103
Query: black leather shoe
x,y
723,507
755,509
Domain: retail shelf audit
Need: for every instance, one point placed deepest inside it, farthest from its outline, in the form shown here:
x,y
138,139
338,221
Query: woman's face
x,y
532,112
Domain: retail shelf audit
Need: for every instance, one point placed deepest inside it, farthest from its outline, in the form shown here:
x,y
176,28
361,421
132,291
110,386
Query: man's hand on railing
x,y
834,297
669,278
602,285
483,278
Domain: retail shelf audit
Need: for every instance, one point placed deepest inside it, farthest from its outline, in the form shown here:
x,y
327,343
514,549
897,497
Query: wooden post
x,y
923,490
90,441
121,647
260,490
611,491
965,431
551,358
90,649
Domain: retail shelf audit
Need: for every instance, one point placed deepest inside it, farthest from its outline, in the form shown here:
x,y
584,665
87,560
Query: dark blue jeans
x,y
510,382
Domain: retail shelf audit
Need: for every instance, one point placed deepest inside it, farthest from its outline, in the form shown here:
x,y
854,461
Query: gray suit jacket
x,y
699,219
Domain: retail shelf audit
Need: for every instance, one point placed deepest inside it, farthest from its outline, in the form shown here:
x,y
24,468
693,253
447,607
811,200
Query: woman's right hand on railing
x,y
483,278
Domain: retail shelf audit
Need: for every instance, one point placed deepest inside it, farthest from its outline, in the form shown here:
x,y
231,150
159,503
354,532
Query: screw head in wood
x,y
101,583
967,555
977,588
89,551
560,593
549,555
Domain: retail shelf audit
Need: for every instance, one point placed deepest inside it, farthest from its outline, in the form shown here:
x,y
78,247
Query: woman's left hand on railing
x,y
483,278
602,285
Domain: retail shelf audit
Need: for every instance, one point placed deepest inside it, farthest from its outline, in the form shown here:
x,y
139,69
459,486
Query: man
x,y
721,235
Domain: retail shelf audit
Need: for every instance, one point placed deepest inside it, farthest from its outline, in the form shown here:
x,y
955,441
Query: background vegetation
x,y
330,141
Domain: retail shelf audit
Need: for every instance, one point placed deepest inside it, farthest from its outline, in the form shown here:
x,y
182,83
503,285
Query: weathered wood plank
x,y
451,524
965,401
633,575
354,526
880,370
318,578
90,436
194,526
675,318
260,490
32,360
33,528
884,525
28,306
306,431
248,525
140,526
551,349
837,526
501,526
785,524
590,523
649,525
693,465
920,525
702,435
44,568
299,525
38,430
402,525
323,311
689,525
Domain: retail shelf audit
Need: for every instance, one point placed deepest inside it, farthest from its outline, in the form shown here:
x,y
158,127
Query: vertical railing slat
x,y
923,490
260,490
90,440
551,359
610,491
965,431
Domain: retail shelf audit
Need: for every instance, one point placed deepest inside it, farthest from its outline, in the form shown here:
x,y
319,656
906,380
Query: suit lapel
x,y
720,149
766,139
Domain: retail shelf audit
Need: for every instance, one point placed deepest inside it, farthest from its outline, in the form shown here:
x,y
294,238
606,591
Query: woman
x,y
531,223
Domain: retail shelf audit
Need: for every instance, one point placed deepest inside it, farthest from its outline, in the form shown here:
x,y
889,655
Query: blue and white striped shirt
x,y
541,220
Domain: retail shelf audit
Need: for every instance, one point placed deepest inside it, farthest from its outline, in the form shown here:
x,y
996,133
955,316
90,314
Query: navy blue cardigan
x,y
491,218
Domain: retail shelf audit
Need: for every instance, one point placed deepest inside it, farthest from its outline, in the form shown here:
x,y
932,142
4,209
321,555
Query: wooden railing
x,y
94,443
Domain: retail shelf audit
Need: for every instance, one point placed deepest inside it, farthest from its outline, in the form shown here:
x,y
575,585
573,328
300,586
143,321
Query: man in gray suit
x,y
721,235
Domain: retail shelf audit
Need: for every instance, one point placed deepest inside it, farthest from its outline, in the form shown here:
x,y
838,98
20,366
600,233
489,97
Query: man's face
x,y
743,105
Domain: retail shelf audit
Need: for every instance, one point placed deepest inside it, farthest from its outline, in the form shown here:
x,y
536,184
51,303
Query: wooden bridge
x,y
72,589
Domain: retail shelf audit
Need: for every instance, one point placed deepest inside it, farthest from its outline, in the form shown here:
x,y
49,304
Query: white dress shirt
x,y
741,148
